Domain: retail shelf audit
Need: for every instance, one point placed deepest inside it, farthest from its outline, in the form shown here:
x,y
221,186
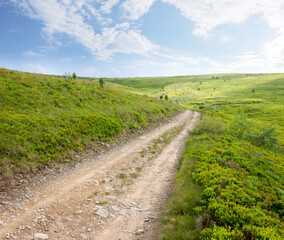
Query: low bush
x,y
260,134
210,125
228,186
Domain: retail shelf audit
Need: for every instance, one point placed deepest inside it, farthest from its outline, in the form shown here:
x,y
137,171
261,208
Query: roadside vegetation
x,y
230,182
46,119
228,186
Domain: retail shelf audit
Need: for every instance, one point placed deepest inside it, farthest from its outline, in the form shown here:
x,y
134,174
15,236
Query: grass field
x,y
230,182
44,119
259,96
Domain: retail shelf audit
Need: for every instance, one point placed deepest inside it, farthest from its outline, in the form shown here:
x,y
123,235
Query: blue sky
x,y
129,38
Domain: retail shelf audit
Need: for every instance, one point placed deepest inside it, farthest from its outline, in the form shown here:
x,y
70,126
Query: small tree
x,y
67,75
102,82
161,97
74,75
166,98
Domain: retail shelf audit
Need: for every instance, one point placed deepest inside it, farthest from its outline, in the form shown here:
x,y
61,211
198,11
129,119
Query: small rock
x,y
161,139
139,232
84,236
102,212
143,210
1,223
141,137
126,204
40,236
115,208
109,189
122,213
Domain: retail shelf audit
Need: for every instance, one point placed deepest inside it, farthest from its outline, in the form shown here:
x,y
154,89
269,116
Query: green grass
x,y
230,94
230,181
44,119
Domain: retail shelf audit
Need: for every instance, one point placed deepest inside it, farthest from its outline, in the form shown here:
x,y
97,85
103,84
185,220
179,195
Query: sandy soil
x,y
117,195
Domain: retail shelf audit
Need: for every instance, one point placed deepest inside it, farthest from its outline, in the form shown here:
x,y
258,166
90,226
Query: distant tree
x,y
198,89
102,82
166,98
67,75
161,97
74,75
252,90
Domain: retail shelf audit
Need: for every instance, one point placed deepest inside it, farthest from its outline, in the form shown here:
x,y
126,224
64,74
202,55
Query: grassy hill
x,y
259,96
230,181
44,119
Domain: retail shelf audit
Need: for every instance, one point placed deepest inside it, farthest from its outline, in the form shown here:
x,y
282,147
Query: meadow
x,y
47,119
230,182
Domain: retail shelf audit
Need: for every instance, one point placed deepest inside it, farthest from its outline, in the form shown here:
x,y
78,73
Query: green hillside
x,y
45,118
259,96
230,182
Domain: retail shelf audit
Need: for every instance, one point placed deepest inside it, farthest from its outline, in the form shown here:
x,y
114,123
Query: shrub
x,y
101,82
210,125
241,125
266,136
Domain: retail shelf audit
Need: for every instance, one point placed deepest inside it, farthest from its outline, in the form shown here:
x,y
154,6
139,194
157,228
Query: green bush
x,y
241,184
265,135
210,125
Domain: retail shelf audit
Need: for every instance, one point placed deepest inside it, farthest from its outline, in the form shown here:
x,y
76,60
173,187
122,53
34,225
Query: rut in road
x,y
118,195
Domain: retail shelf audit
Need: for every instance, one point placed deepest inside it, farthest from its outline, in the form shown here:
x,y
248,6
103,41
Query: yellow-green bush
x,y
241,188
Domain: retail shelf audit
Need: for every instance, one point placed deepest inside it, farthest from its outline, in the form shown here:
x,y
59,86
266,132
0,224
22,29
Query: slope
x,y
46,119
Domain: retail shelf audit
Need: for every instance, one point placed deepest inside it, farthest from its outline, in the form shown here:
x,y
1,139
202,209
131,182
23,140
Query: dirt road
x,y
117,195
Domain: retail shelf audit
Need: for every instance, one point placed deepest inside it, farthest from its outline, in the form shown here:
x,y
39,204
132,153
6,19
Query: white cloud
x,y
134,9
90,23
248,59
275,52
124,41
209,14
179,58
30,53
108,5
34,68
74,17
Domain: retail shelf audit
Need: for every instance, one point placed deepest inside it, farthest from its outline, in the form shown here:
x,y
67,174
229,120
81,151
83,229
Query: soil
x,y
117,195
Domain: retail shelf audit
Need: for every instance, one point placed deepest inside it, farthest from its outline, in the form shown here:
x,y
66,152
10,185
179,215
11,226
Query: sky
x,y
139,38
